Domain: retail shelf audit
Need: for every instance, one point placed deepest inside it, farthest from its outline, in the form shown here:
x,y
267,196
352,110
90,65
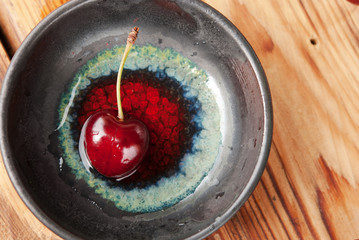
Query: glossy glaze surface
x,y
197,139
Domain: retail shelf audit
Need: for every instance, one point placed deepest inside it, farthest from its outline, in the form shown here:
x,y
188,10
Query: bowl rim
x,y
4,101
267,118
249,53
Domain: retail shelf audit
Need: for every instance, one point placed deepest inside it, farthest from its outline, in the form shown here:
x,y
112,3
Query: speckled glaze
x,y
43,72
195,164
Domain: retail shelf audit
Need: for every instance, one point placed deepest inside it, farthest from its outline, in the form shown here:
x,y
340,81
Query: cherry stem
x,y
130,41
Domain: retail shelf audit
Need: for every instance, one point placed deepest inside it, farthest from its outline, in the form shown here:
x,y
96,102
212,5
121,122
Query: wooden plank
x,y
18,18
4,63
309,50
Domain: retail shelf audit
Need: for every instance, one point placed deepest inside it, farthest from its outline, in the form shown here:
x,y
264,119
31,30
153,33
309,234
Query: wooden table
x,y
310,52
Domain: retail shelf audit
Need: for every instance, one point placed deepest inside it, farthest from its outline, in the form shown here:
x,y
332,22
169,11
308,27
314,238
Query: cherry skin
x,y
114,148
354,1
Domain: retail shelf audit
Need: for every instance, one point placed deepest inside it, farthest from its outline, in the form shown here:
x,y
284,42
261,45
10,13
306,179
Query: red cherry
x,y
354,1
114,148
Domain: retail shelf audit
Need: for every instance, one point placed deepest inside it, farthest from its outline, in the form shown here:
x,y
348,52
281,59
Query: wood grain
x,y
310,52
4,63
19,17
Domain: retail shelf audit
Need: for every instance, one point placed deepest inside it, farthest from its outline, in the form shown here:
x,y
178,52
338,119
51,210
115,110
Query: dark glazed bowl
x,y
46,63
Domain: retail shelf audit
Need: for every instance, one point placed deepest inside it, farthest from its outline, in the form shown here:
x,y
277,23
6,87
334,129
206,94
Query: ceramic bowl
x,y
187,43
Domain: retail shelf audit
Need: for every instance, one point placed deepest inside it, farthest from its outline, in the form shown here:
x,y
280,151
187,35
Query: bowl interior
x,y
45,65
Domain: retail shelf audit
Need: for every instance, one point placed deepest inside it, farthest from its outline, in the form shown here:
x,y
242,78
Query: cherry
x,y
115,147
354,1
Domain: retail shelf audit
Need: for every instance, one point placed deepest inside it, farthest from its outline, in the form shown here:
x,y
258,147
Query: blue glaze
x,y
197,161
